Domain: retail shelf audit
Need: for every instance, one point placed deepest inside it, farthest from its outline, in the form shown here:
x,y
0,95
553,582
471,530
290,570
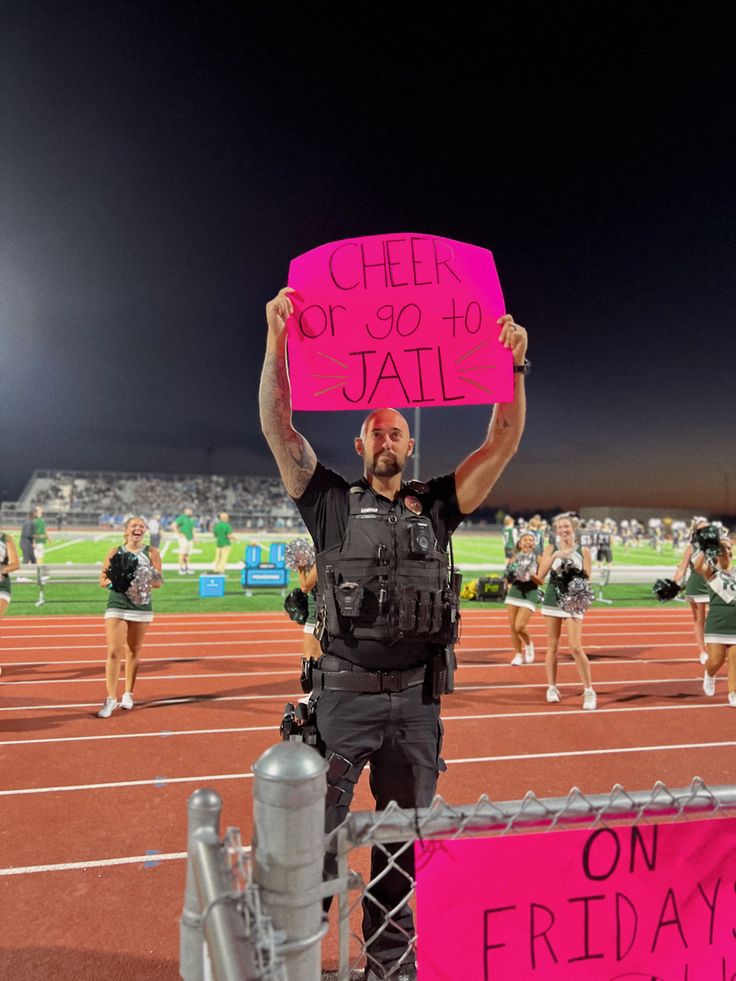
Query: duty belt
x,y
368,681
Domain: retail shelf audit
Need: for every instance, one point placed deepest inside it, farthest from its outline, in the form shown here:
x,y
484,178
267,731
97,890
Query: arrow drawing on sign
x,y
343,378
474,367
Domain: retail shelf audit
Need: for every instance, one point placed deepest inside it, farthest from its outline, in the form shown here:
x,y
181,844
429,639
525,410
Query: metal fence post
x,y
288,850
203,811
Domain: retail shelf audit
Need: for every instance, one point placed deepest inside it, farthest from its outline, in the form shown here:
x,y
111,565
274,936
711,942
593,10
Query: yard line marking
x,y
590,752
54,548
99,863
153,782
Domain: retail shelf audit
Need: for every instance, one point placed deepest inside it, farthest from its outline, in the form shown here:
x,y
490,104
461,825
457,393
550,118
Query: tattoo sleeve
x,y
294,456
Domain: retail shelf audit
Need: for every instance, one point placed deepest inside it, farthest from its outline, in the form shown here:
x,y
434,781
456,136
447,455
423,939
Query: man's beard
x,y
389,466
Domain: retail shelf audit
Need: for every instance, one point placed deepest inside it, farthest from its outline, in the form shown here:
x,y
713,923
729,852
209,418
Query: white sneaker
x,y
553,694
529,654
709,684
703,657
126,701
732,698
589,699
517,659
107,709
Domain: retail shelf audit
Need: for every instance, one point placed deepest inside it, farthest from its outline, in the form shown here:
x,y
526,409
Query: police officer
x,y
386,609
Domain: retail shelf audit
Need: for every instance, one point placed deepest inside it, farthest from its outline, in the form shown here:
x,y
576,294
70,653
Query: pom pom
x,y
708,541
121,570
139,591
299,554
571,585
296,606
578,596
666,589
526,565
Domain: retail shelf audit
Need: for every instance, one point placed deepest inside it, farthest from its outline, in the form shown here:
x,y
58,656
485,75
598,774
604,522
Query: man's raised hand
x,y
513,336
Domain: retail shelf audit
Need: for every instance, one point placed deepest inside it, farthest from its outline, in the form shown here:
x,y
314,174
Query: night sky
x,y
160,164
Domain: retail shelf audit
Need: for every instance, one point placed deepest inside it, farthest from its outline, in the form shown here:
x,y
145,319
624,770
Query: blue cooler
x,y
211,585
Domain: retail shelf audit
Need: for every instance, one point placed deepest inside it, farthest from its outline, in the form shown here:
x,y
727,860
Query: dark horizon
x,y
163,165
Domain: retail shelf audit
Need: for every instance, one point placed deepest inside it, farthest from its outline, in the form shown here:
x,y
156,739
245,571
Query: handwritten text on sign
x,y
397,320
653,903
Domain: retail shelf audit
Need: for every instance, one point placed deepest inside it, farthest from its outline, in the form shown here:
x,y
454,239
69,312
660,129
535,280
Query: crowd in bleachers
x,y
261,502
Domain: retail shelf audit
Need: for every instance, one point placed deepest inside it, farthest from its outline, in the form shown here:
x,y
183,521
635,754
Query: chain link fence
x,y
260,911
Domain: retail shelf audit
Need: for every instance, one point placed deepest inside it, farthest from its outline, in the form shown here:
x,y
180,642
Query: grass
x,y
180,594
70,549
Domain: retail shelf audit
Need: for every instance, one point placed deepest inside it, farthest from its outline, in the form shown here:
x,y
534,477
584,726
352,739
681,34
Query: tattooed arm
x,y
293,454
477,474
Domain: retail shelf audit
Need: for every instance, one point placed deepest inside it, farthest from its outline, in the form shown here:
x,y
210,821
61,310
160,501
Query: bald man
x,y
387,611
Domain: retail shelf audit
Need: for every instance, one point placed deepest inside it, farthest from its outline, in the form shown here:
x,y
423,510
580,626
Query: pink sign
x,y
648,903
398,320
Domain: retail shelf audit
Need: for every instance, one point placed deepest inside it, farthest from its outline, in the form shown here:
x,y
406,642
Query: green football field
x,y
180,594
470,547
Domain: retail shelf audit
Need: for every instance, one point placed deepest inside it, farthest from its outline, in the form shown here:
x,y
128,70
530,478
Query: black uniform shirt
x,y
325,508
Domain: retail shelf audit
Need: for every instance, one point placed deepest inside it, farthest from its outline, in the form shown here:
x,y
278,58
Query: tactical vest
x,y
387,580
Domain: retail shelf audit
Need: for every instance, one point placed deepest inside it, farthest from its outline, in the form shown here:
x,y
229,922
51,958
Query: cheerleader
x,y
565,552
696,588
8,563
127,616
519,598
720,624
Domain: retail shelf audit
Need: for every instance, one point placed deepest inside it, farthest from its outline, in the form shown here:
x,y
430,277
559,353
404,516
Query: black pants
x,y
400,735
26,547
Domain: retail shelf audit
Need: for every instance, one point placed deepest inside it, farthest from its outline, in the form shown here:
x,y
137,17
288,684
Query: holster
x,y
443,666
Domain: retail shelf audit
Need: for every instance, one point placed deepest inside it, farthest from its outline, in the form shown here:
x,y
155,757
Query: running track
x,y
93,812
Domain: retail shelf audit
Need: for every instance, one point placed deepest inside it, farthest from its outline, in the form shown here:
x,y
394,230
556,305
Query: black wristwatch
x,y
522,369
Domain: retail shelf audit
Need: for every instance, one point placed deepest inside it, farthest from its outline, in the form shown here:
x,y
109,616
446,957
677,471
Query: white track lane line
x,y
7,685
158,782
239,631
161,734
164,677
496,665
549,714
156,660
460,651
161,782
99,863
102,646
157,702
590,752
469,689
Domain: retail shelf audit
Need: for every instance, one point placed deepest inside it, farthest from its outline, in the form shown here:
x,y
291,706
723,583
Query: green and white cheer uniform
x,y
119,607
4,579
550,601
696,588
720,624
